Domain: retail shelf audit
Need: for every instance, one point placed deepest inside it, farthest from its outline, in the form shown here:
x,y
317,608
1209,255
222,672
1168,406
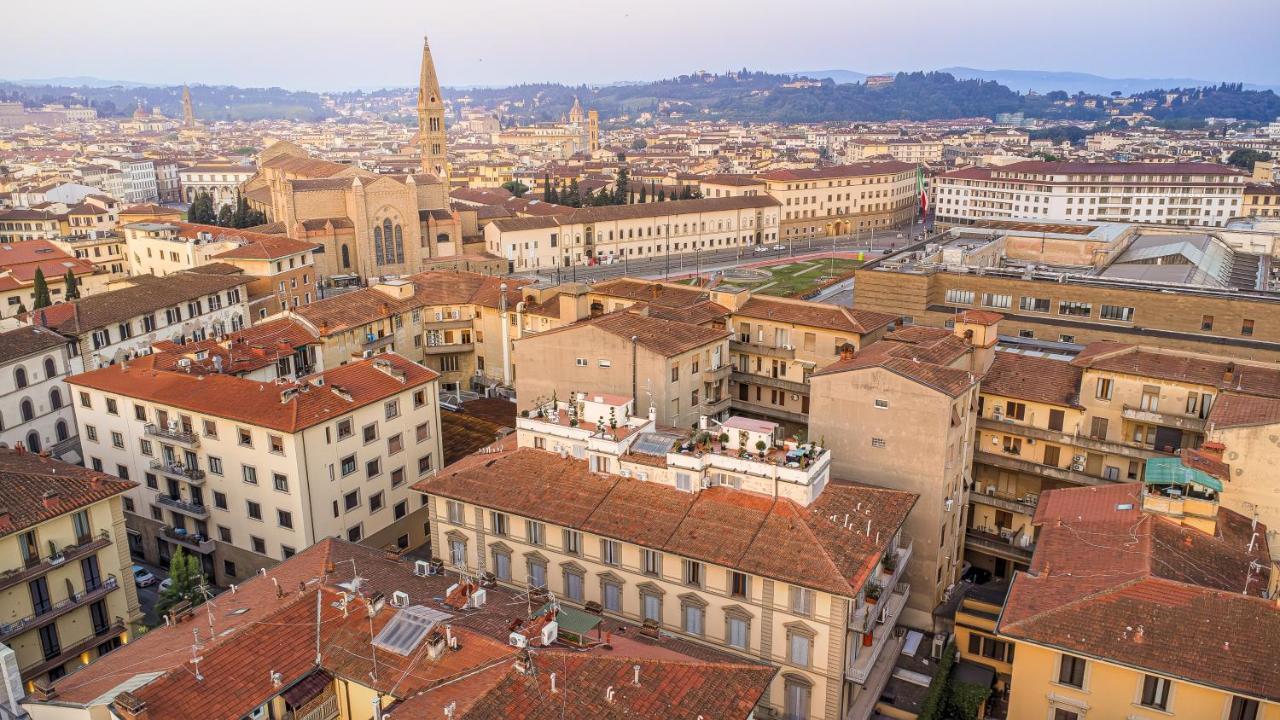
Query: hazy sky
x,y
338,44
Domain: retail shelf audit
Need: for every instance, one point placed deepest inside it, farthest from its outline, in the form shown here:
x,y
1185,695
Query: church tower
x,y
188,116
431,136
593,131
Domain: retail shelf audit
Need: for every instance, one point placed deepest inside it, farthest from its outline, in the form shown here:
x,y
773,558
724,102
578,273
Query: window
x,y
573,585
139,413
684,482
355,533
499,523
960,297
610,552
259,545
351,500
1206,322
535,532
537,571
796,697
1105,388
1033,304
877,442
219,500
737,631
425,464
84,400
224,533
284,518
453,509
215,465
989,647
254,510
369,432
246,438
1155,692
996,300
801,600
693,617
1246,328
277,444
501,562
1243,709
1015,410
250,474
651,562
882,404
1118,313
798,648
401,509
573,542
397,477
457,552
395,444
373,468
345,428
117,439
392,409
651,606
376,502
90,432
1074,309
112,409
1064,714
693,573
280,482
1071,671
348,465
423,432
1056,419
611,592
211,429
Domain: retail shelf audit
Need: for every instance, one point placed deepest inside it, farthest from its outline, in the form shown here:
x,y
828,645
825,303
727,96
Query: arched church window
x,y
346,257
399,245
377,244
389,255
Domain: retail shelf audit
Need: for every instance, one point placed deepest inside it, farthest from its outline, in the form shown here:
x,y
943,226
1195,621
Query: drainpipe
x,y
506,336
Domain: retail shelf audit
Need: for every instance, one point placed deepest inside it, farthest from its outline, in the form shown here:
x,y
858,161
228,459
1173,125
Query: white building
x,y
220,181
138,180
35,404
1201,194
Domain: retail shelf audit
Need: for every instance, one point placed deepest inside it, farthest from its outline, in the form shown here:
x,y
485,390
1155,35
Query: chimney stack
x,y
50,499
847,351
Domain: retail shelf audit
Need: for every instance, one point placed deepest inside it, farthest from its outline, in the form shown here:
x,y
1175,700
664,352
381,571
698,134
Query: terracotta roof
x,y
1148,592
839,171
773,537
304,166
654,293
918,353
608,213
259,403
147,294
980,317
28,340
697,314
1211,371
1116,168
34,489
812,314
1232,410
1038,379
667,338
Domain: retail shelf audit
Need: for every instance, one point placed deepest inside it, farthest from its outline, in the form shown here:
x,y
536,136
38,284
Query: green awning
x,y
1171,471
573,621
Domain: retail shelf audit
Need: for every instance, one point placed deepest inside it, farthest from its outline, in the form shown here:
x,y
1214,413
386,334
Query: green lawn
x,y
795,279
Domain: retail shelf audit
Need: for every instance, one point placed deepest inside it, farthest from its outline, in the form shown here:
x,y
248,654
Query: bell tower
x,y
431,135
188,115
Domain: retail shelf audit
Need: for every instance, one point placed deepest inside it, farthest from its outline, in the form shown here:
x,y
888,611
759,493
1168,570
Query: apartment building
x,y
1177,193
1163,615
137,182
915,151
779,343
1079,283
245,473
842,199
220,181
105,250
679,369
66,586
20,224
715,186
398,640
748,546
1261,200
35,409
901,413
19,262
611,233
117,324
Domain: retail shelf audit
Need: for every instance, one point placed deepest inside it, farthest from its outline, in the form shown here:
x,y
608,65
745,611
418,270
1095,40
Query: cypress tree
x,y
620,188
662,194
42,298
546,188
225,216
72,291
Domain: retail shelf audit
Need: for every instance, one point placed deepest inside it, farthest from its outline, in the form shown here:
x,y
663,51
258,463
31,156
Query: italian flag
x,y
924,197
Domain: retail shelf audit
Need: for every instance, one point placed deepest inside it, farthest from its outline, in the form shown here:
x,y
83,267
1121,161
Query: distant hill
x,y
211,102
836,76
1044,81
80,81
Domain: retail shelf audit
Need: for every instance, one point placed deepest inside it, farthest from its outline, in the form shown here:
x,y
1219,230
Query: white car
x,y
165,583
768,248
143,577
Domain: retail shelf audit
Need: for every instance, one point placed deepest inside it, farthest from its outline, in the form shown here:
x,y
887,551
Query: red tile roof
x,y
260,403
922,354
1038,379
1231,410
1250,379
839,171
1112,582
34,489
812,314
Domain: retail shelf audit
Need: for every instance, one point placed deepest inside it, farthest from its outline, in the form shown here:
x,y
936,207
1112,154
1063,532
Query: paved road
x,y
148,596
686,264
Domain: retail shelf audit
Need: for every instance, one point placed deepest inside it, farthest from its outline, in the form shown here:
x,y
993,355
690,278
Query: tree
x,y
225,216
621,185
639,144
72,291
546,188
187,582
662,194
571,197
1245,158
41,288
201,211
515,187
644,194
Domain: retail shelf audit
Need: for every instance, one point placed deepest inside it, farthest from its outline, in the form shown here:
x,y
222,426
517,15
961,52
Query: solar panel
x,y
407,628
653,444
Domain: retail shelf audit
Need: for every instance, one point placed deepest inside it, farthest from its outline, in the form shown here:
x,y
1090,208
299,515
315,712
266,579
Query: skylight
x,y
407,629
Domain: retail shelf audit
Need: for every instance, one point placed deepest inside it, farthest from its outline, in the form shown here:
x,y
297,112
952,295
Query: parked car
x,y
143,577
165,583
768,248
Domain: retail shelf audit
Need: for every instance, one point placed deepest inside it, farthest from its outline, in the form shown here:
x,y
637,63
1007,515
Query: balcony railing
x,y
715,407
191,541
65,654
173,434
1190,423
186,508
195,476
67,554
445,349
1009,462
1062,437
1025,504
58,609
996,543
785,352
791,386
879,620
768,411
720,373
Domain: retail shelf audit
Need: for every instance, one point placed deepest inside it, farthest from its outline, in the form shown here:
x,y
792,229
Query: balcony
x,y
199,512
718,373
715,407
191,541
1052,472
1003,544
373,343
447,323
71,651
880,619
1024,505
1071,439
784,352
194,476
448,349
773,382
57,610
769,411
67,554
172,434
1151,417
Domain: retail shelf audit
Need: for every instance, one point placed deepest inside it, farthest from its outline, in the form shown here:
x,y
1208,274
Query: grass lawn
x,y
795,279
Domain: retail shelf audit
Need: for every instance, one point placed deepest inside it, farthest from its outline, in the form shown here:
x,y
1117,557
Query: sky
x,y
344,44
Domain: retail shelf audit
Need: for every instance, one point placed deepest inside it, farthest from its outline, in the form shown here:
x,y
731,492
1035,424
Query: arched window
x,y
377,244
399,245
20,377
50,368
55,399
33,441
389,254
346,257
60,429
28,410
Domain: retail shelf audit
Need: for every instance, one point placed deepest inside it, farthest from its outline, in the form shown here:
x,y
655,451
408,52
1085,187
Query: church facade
x,y
366,225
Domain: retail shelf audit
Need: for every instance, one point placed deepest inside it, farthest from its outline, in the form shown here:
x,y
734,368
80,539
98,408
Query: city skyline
x,y
337,47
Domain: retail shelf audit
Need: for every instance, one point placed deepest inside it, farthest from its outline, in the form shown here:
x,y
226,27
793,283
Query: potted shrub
x,y
573,422
889,562
724,439
760,446
872,592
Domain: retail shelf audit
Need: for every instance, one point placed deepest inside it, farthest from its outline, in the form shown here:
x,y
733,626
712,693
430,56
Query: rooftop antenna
x,y
317,625
195,660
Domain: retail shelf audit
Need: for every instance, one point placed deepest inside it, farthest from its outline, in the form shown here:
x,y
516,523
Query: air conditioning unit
x,y
517,640
477,599
991,489
399,599
1077,463
946,505
550,632
1031,441
939,644
997,413
421,568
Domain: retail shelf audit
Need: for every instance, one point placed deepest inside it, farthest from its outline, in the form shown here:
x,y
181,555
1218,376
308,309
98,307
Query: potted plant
x,y
889,562
724,439
868,639
760,446
872,592
573,422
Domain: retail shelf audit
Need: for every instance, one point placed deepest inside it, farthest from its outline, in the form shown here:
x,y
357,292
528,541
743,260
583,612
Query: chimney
x,y
847,351
129,706
655,290
1229,374
1213,450
44,691
50,499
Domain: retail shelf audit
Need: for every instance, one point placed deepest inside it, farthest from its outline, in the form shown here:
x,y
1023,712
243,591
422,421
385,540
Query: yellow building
x,y
1139,605
66,590
1261,200
843,199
